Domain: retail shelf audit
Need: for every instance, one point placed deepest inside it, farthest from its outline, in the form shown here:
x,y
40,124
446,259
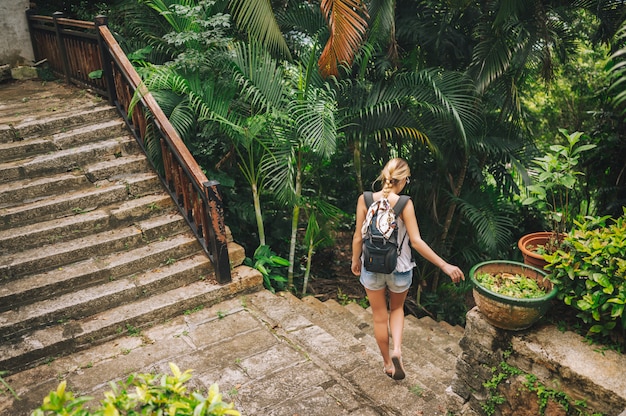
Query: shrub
x,y
141,394
590,273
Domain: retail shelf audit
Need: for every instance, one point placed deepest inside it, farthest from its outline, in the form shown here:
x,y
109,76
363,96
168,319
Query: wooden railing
x,y
75,49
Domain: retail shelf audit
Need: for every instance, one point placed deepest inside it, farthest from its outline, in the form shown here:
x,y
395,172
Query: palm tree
x,y
618,86
307,129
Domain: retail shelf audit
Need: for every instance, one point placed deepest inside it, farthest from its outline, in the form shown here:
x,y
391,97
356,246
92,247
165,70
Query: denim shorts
x,y
397,282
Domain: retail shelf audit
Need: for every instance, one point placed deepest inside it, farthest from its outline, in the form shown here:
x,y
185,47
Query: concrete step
x,y
67,160
102,193
98,269
15,265
100,296
73,335
350,362
81,224
423,369
31,146
23,126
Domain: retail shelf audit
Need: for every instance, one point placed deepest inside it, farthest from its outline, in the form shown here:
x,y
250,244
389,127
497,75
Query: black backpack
x,y
380,254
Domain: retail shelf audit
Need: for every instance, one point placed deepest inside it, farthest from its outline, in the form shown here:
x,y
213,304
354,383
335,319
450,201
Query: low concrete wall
x,y
562,363
15,46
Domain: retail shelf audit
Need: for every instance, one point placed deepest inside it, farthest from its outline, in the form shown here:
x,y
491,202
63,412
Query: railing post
x,y
107,68
218,242
36,53
61,46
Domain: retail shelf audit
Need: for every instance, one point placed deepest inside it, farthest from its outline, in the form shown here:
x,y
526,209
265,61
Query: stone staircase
x,y
91,246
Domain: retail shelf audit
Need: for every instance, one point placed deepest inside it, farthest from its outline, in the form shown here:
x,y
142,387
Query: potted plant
x,y
555,176
511,295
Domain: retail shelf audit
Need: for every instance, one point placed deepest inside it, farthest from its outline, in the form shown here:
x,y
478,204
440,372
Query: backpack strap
x,y
369,198
397,209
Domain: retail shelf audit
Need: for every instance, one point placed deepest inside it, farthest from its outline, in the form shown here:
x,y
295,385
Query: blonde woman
x,y
394,177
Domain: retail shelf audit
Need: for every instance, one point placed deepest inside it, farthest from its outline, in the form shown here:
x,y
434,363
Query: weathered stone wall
x,y
561,361
15,46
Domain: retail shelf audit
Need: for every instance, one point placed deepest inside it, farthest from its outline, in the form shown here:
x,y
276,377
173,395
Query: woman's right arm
x,y
357,238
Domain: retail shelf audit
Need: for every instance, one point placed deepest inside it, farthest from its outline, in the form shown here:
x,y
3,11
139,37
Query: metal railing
x,y
73,50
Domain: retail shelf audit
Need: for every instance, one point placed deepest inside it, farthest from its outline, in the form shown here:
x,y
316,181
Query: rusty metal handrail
x,y
75,49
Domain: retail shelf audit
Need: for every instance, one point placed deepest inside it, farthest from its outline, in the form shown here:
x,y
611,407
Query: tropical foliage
x,y
590,271
144,394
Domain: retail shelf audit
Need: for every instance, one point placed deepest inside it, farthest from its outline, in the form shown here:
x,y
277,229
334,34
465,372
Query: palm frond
x,y
383,26
449,95
491,220
492,58
301,18
176,108
347,27
315,123
259,76
257,18
618,71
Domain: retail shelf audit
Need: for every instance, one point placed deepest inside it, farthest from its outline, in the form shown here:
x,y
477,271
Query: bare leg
x,y
396,320
378,304
396,325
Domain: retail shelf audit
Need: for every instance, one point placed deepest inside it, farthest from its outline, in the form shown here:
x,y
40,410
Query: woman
x,y
394,177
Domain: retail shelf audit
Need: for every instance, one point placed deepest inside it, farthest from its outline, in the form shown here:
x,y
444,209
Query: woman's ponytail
x,y
394,171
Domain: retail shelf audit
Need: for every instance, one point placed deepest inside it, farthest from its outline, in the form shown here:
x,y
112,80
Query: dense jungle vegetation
x,y
294,106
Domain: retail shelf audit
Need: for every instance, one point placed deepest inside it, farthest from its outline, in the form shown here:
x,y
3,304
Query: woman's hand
x,y
356,267
454,272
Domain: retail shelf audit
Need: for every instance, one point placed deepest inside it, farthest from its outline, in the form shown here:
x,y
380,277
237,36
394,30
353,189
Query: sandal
x,y
388,371
398,373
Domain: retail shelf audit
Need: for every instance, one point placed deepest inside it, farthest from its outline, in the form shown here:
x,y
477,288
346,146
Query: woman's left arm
x,y
410,221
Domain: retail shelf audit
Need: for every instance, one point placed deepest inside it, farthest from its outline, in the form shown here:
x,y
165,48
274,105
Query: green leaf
x,y
97,74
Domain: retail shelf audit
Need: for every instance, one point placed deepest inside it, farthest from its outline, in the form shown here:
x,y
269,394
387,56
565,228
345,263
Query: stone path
x,y
270,355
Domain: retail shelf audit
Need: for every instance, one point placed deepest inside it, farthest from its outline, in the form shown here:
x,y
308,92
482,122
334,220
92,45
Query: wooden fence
x,y
76,51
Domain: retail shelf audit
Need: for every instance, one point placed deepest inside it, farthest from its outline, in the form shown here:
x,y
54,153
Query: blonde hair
x,y
394,171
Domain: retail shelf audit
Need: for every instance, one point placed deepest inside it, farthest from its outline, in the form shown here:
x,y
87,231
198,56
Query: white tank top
x,y
405,259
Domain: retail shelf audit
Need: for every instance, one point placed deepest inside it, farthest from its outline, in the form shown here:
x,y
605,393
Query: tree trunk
x,y
294,228
257,212
456,191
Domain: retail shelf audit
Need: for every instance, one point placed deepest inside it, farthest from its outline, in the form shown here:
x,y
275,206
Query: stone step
x,y
80,201
46,344
41,124
27,190
29,147
15,265
102,268
75,226
423,372
67,160
102,295
338,325
426,357
348,362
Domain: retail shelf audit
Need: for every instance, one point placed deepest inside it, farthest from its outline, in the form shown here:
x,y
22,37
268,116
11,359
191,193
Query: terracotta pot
x,y
527,245
507,312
